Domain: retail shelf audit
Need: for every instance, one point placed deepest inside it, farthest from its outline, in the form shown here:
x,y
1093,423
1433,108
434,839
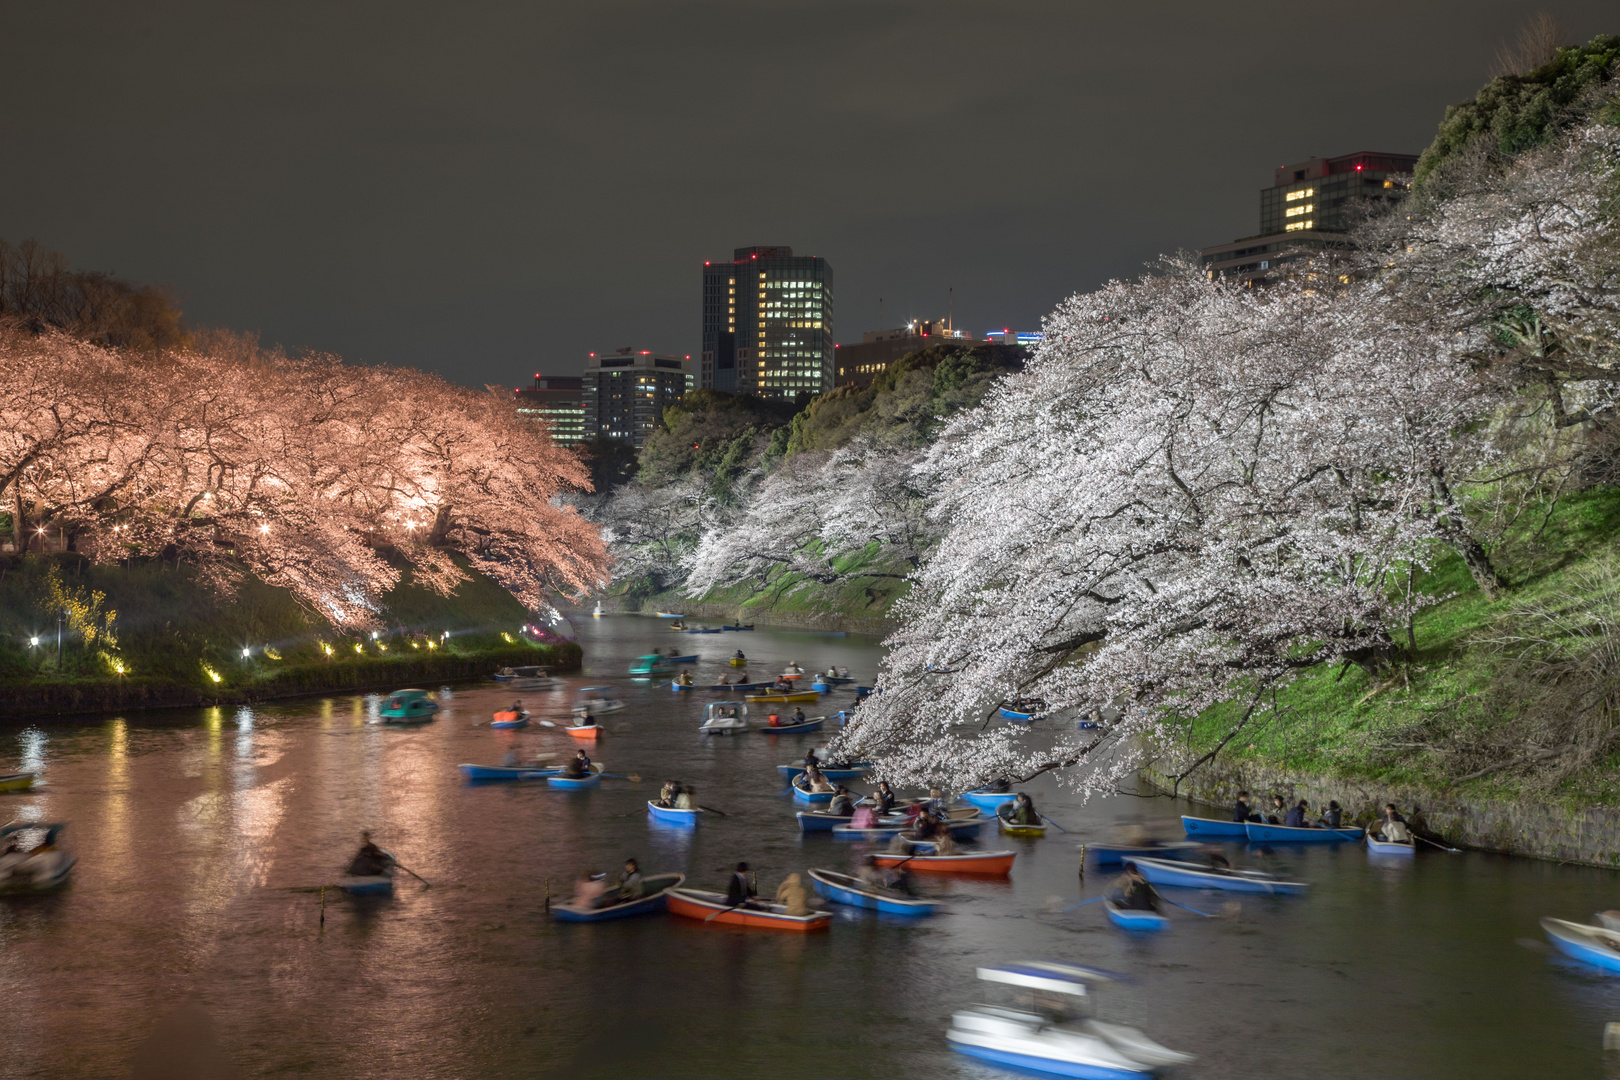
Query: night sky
x,y
492,190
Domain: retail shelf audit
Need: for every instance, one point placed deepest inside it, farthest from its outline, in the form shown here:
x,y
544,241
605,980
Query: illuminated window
x,y
1297,225
1305,194
1296,211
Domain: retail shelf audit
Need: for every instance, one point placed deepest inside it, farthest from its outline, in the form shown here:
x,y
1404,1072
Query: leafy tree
x,y
612,461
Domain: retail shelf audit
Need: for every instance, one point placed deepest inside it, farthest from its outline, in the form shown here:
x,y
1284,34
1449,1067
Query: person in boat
x,y
1023,811
999,786
1392,827
793,668
883,798
798,716
1241,810
1332,816
684,679
815,781
810,758
738,655
578,766
841,803
1214,857
669,793
587,718
630,881
516,710
510,759
739,890
1298,816
588,890
370,860
1278,810
863,818
871,874
686,799
1134,891
927,826
793,896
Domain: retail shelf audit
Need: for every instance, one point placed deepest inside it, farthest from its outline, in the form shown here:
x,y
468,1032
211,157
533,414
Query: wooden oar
x,y
1081,904
712,810
413,873
733,907
1050,822
1442,847
634,778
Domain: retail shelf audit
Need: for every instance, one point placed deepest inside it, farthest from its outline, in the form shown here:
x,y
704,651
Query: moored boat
x,y
1107,854
1293,834
1594,945
673,815
846,889
654,892
1004,819
407,707
1147,922
1054,1031
1189,875
1212,827
979,863
711,907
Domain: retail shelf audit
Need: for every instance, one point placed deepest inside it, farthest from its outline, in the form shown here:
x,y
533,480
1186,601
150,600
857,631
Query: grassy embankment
x,y
174,641
1448,704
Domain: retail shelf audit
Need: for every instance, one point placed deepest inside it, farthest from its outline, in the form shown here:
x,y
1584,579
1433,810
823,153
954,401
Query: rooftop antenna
x,y
950,309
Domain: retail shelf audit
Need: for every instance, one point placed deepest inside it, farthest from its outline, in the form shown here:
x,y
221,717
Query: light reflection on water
x,y
201,861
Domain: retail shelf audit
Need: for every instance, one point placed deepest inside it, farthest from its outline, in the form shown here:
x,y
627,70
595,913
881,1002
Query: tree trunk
x,y
441,526
19,524
1457,535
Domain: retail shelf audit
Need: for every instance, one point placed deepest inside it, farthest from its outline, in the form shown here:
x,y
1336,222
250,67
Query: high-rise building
x,y
1309,207
559,401
626,392
767,324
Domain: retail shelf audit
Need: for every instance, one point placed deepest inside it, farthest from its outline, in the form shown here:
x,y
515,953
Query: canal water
x,y
192,929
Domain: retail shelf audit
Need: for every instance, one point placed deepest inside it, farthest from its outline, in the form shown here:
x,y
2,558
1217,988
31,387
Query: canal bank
x,y
1588,836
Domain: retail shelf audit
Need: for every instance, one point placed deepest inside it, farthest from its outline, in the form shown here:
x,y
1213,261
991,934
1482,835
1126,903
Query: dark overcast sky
x,y
494,189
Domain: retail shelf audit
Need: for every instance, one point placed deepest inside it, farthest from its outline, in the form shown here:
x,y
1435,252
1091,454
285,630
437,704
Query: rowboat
x,y
506,718
368,885
677,686
819,820
17,781
981,863
1044,1036
1147,922
1117,854
784,699
853,771
654,891
42,867
1593,945
505,772
758,915
684,659
1018,717
741,687
821,686
989,800
596,701
812,724
703,630
961,828
1194,876
575,783
672,815
1033,832
805,795
407,707
1212,827
749,626
845,889
724,718
862,691
526,678
1375,846
737,661
1292,834
651,665
588,732
668,615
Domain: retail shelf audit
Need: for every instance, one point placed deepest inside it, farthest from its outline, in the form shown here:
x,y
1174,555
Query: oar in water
x,y
1228,910
1081,904
413,873
1050,822
712,810
1442,847
545,723
634,778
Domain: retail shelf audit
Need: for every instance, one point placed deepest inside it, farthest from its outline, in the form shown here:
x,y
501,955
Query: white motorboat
x,y
527,678
724,718
43,866
1052,1031
594,701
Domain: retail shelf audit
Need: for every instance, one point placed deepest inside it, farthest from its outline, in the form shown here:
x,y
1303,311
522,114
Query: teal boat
x,y
408,707
655,664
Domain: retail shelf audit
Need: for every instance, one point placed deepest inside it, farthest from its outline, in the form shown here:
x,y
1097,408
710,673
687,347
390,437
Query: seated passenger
x,y
1023,811
1332,816
1134,891
630,881
686,799
841,803
793,896
1297,815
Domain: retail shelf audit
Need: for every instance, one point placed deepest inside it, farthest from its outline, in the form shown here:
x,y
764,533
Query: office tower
x,y
559,401
767,324
626,392
1309,207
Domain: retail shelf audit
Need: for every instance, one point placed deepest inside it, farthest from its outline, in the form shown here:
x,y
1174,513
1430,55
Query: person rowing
x,y
738,655
669,793
1023,811
1133,891
798,715
739,890
370,860
841,804
1298,816
1241,810
578,766
883,798
815,782
1392,827
684,679
630,882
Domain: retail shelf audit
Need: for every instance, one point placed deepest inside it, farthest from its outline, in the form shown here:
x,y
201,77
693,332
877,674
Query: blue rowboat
x,y
1194,876
652,665
1017,717
504,772
1212,827
684,659
375,885
514,720
669,615
678,687
844,889
653,892
1119,854
672,816
812,724
989,800
804,795
849,772
705,630
862,691
821,687
1376,846
750,626
1290,834
744,687
1589,944
574,783
837,680
819,820
961,828
1142,922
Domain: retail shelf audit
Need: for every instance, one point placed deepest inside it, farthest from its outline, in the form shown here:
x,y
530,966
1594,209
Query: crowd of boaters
x,y
1389,825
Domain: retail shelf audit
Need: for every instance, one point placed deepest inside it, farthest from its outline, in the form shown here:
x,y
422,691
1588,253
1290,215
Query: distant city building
x,y
858,365
559,401
1309,207
1027,338
626,392
767,324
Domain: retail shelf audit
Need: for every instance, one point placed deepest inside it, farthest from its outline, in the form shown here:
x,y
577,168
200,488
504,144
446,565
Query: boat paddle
x,y
1081,904
712,810
634,778
1442,847
1052,823
413,873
